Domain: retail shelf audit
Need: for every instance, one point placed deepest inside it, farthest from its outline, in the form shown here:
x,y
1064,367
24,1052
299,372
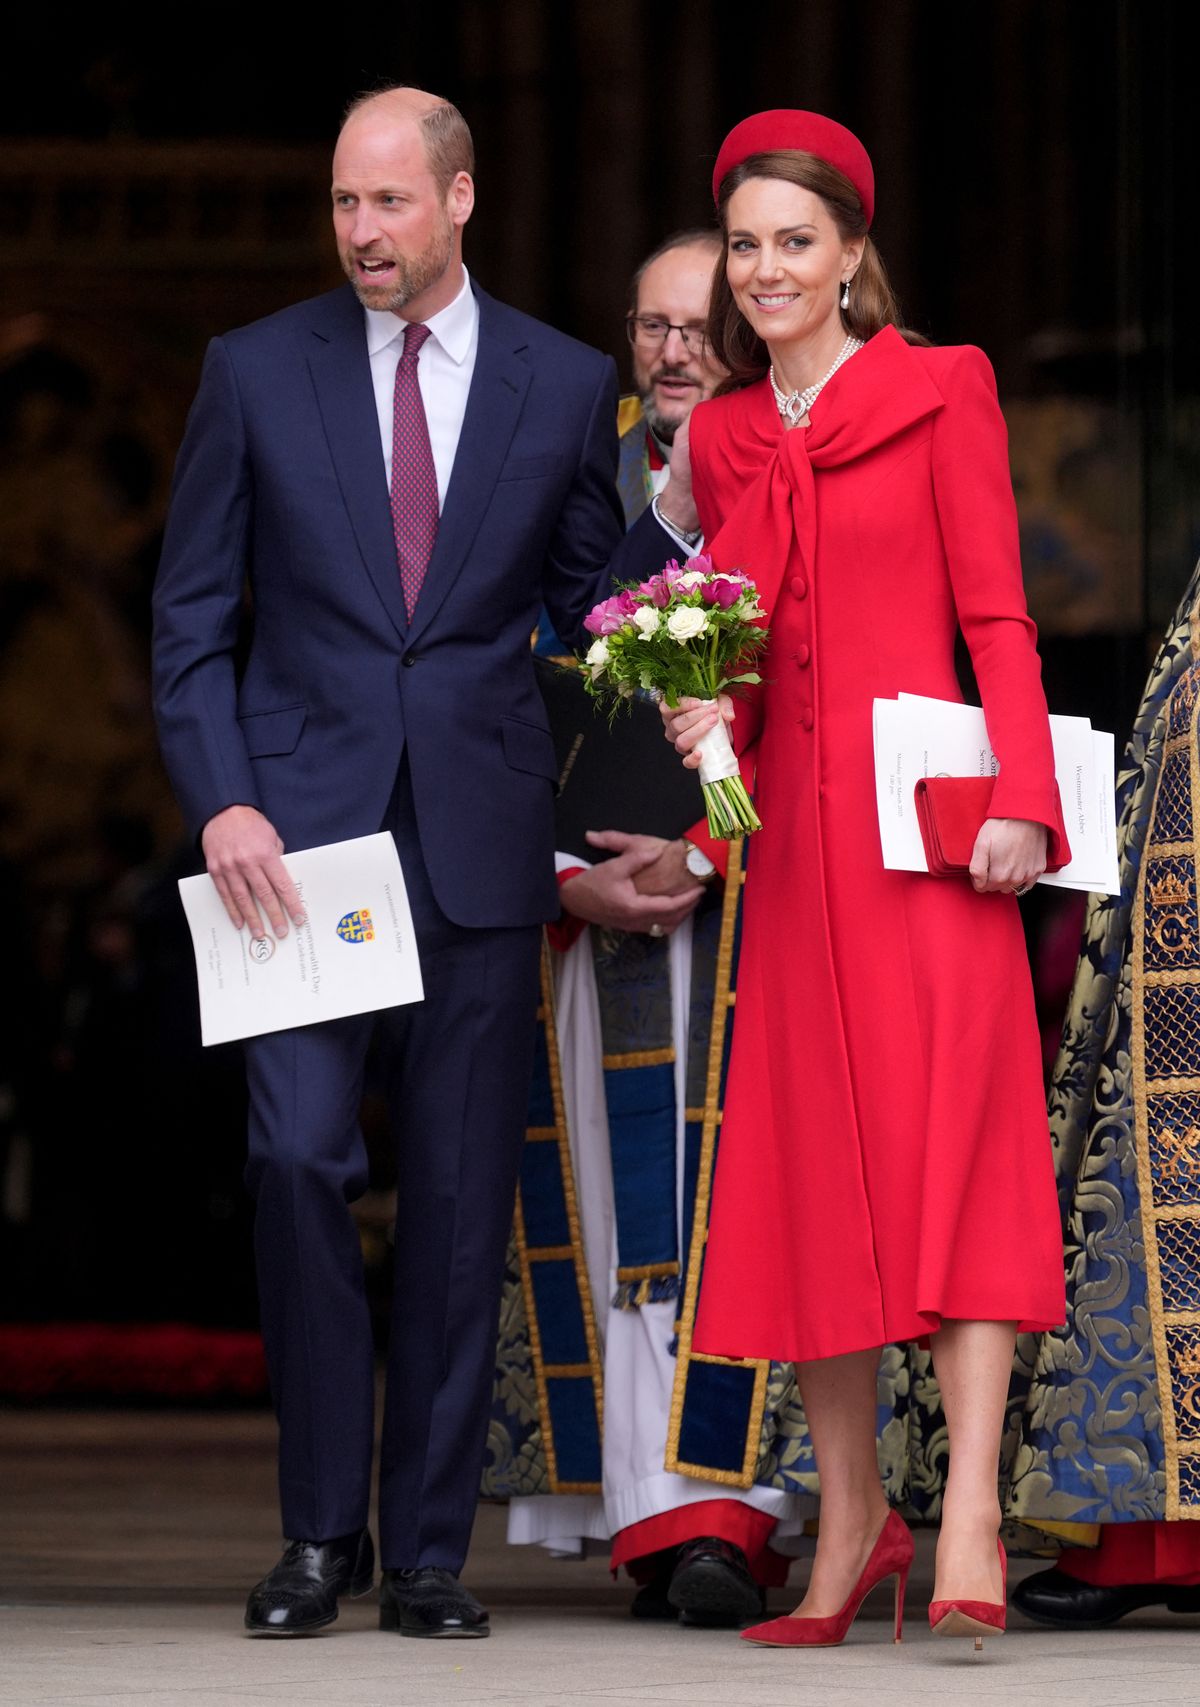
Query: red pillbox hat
x,y
810,133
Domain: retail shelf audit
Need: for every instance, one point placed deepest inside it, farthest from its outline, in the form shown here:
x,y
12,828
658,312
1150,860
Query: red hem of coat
x,y
930,1321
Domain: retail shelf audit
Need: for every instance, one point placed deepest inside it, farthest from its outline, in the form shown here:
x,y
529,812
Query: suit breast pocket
x,y
270,734
529,468
528,748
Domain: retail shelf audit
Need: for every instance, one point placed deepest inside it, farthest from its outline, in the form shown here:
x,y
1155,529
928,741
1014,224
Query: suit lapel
x,y
494,404
341,373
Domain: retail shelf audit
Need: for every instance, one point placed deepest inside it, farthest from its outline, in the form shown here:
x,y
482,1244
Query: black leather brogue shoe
x,y
429,1602
711,1585
1053,1597
301,1593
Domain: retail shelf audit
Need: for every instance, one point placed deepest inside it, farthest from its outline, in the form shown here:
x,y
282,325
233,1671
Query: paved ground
x,y
128,1541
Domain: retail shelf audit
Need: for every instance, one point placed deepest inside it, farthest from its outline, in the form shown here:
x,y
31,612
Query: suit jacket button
x,y
408,660
800,586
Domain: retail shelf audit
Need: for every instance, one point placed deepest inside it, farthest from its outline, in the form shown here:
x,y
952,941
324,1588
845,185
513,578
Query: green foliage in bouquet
x,y
689,632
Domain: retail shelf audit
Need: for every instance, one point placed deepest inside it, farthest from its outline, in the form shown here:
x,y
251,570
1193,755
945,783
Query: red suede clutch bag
x,y
951,811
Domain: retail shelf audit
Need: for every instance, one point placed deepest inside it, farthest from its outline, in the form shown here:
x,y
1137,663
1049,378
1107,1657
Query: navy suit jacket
x,y
280,483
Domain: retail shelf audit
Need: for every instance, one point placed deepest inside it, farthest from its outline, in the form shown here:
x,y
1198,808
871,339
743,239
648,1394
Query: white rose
x,y
686,623
647,619
597,657
689,582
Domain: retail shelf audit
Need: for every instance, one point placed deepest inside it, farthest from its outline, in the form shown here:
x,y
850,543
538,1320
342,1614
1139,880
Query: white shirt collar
x,y
452,326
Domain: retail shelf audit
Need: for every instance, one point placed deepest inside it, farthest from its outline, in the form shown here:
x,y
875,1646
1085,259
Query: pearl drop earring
x,y
845,293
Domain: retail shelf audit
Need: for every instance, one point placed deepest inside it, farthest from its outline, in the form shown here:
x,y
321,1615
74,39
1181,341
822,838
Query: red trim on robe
x,y
1138,1553
566,930
730,1520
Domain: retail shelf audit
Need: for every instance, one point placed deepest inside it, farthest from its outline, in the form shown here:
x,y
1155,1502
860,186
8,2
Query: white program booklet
x,y
355,953
916,736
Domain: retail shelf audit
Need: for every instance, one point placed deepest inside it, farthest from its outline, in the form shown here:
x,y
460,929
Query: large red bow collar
x,y
755,488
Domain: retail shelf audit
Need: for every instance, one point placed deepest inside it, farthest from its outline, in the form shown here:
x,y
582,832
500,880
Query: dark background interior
x,y
165,177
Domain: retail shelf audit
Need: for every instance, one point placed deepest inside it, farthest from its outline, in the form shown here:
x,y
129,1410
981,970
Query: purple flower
x,y
722,591
607,617
657,591
704,563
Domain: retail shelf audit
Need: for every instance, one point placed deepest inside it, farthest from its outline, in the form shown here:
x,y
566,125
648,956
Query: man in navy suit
x,y
403,470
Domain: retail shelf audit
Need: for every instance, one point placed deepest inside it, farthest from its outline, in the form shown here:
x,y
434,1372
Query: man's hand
x,y
608,895
242,852
1009,856
669,874
675,502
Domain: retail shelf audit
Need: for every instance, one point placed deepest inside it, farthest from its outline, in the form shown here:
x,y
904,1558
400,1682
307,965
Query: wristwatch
x,y
690,536
698,862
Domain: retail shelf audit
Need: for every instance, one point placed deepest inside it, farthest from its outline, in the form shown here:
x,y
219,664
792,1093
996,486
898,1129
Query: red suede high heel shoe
x,y
978,1618
891,1556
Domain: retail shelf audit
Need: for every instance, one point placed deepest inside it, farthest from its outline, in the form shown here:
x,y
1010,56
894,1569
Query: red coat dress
x,y
884,1160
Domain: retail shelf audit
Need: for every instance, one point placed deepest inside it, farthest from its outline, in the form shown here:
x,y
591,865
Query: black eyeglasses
x,y
652,333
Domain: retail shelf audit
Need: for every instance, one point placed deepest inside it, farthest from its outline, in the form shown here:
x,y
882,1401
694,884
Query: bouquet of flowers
x,y
690,631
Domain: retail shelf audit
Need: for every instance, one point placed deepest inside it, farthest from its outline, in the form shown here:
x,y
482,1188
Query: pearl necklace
x,y
795,407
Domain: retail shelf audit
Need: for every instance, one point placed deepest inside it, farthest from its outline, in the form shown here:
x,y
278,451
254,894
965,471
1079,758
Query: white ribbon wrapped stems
x,y
717,757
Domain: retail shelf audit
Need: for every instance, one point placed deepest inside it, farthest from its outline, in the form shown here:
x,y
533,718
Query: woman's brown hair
x,y
873,305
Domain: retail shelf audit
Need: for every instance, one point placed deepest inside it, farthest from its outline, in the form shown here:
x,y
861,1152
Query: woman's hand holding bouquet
x,y
685,635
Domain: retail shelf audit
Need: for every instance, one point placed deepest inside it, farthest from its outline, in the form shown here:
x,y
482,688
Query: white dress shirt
x,y
444,369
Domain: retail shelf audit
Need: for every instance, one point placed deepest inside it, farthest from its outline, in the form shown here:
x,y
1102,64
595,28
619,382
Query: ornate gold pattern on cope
x,y
1102,1425
1166,1074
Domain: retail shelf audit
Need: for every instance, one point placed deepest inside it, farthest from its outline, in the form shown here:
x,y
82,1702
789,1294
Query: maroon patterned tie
x,y
414,478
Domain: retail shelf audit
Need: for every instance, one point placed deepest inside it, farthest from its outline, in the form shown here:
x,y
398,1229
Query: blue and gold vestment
x,y
1108,1430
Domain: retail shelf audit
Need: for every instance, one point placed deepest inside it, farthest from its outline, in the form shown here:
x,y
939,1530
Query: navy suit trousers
x,y
459,1070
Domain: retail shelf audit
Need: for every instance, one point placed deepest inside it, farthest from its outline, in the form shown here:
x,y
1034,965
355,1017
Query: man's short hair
x,y
447,136
707,236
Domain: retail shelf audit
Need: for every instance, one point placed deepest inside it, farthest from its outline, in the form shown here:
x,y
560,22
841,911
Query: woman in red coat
x,y
885,1169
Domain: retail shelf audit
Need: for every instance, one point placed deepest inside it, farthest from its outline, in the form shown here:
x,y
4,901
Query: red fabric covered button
x,y
800,586
806,717
803,657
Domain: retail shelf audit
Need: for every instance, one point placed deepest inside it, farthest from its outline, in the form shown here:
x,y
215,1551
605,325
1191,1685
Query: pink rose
x,y
625,602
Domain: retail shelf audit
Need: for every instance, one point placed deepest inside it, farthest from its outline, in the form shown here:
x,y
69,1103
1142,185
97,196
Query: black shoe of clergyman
x,y
1053,1597
711,1585
301,1593
651,1601
429,1602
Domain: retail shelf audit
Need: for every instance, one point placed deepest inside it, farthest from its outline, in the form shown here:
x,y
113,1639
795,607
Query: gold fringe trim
x,y
711,1115
526,1257
641,1058
648,1271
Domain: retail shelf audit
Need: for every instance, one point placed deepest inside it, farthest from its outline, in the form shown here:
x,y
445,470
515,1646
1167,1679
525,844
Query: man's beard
x,y
411,278
663,429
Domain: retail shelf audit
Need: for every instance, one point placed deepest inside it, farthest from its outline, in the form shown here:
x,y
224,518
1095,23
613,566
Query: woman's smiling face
x,y
785,259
